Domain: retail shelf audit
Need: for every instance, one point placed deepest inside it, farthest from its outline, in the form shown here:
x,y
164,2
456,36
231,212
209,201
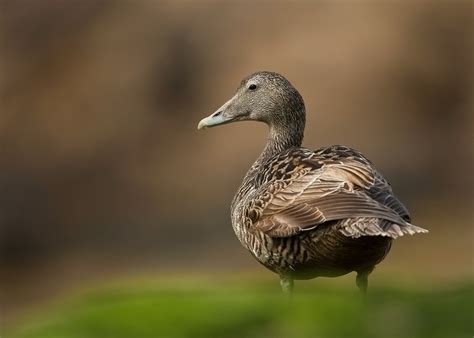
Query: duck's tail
x,y
367,226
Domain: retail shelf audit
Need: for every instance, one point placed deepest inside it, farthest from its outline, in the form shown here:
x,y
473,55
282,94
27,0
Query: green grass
x,y
199,309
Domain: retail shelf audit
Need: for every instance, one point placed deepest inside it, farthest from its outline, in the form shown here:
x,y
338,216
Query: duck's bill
x,y
214,120
223,115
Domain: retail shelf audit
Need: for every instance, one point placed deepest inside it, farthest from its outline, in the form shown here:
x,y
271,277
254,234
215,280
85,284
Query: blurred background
x,y
104,175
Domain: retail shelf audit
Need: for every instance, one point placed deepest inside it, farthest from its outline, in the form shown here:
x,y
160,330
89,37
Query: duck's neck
x,y
280,139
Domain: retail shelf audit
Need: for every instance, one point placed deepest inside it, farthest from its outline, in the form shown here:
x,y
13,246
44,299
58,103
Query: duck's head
x,y
263,96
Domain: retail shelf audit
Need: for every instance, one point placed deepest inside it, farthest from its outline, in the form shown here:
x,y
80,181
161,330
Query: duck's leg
x,y
362,280
286,283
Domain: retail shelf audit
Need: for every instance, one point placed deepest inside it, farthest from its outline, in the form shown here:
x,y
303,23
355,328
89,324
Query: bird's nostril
x,y
217,114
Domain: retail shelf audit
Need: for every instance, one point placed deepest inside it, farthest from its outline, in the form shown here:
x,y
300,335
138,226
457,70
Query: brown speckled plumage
x,y
304,213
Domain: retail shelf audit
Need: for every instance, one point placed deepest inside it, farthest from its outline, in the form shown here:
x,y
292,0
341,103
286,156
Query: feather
x,y
323,186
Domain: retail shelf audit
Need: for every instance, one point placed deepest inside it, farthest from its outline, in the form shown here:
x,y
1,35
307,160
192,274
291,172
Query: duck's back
x,y
322,212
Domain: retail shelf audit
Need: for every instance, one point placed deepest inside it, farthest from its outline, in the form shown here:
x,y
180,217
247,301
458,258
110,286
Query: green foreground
x,y
199,309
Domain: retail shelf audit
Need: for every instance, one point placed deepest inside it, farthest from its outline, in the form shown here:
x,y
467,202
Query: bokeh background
x,y
104,176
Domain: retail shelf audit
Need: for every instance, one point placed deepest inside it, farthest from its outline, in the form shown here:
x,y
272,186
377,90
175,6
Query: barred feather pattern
x,y
304,213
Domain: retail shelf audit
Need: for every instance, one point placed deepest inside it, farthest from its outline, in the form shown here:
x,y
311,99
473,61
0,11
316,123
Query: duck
x,y
306,213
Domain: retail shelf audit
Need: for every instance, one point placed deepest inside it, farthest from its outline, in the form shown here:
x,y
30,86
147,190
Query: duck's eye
x,y
253,86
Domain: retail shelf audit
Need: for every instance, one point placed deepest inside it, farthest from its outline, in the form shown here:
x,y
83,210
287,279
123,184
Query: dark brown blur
x,y
103,172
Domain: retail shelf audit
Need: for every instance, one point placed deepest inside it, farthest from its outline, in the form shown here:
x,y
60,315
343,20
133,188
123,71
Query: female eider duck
x,y
308,213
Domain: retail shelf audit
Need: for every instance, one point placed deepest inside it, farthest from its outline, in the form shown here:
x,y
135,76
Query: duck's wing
x,y
301,189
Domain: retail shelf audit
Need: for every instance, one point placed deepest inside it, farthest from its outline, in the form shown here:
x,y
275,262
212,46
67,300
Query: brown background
x,y
103,172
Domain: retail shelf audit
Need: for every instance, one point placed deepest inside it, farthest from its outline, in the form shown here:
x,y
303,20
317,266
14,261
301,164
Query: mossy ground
x,y
201,309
